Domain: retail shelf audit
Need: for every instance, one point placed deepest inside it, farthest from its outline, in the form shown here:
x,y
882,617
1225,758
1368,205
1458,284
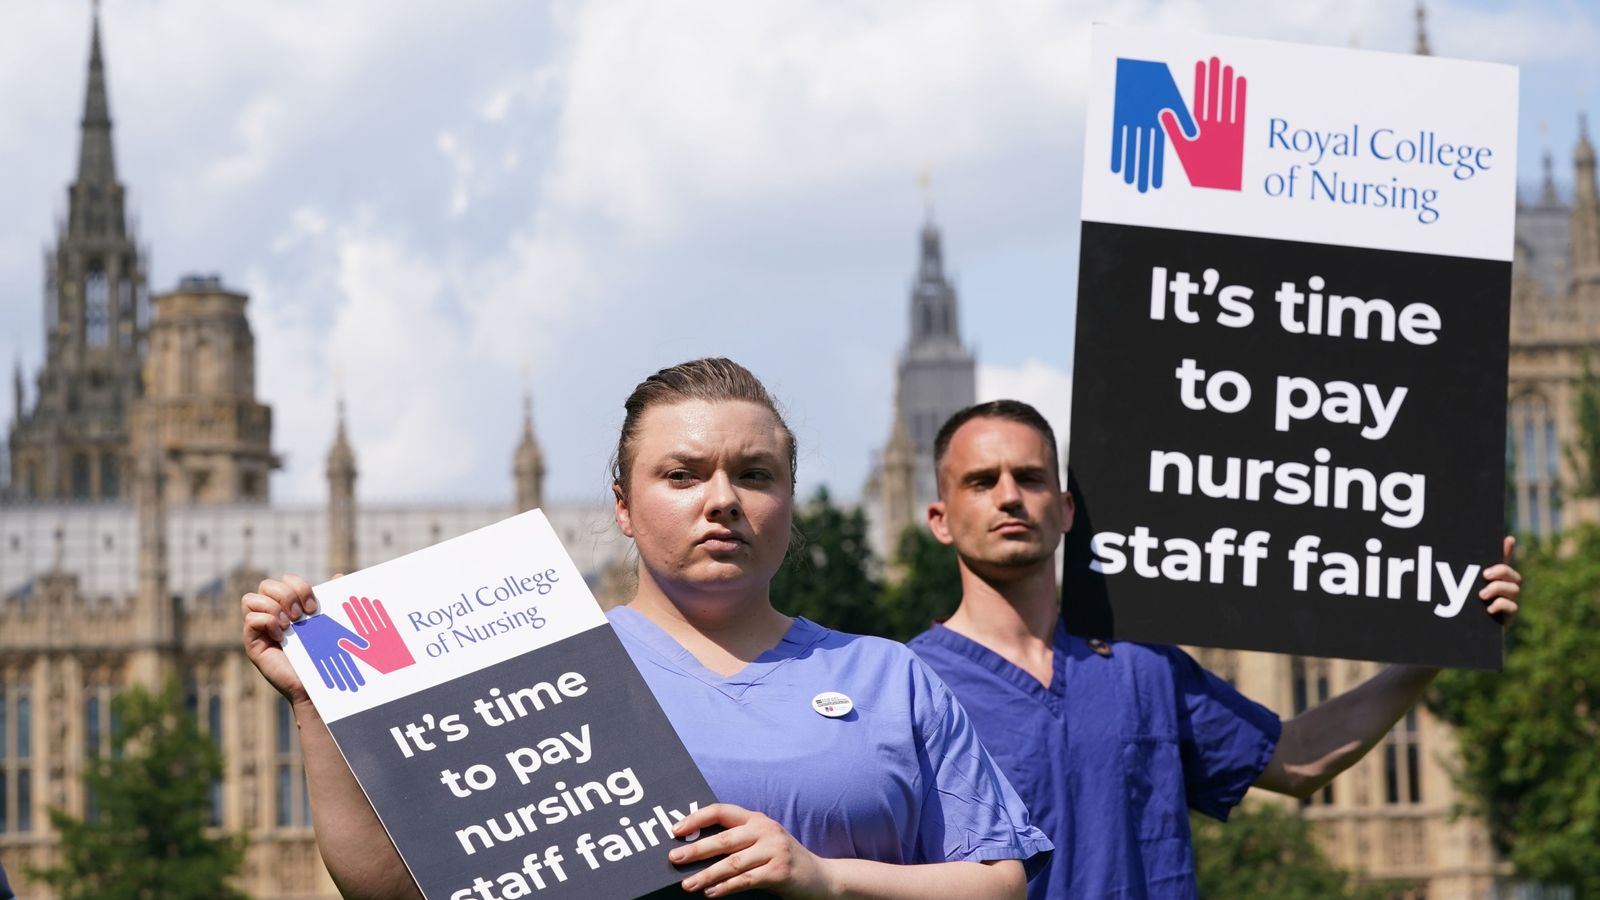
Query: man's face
x,y
1001,503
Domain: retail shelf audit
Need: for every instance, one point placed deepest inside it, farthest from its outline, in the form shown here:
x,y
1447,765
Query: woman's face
x,y
709,498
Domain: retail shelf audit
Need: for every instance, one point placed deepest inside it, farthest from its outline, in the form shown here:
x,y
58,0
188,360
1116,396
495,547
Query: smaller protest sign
x,y
496,723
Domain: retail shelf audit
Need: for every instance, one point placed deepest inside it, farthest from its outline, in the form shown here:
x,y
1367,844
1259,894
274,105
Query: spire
x,y
933,300
930,268
95,162
341,458
1585,209
16,391
1583,156
1422,48
527,466
341,501
1547,187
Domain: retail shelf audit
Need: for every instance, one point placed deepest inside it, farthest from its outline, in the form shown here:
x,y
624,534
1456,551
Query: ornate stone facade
x,y
138,515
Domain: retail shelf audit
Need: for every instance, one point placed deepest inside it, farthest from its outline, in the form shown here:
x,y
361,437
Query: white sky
x,y
422,205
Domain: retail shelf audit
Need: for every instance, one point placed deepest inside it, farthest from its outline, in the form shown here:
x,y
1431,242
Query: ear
x,y
620,510
1067,510
938,524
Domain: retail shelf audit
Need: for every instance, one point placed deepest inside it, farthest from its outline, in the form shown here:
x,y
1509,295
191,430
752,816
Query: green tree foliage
x,y
1584,452
1266,853
1530,736
149,839
831,577
930,587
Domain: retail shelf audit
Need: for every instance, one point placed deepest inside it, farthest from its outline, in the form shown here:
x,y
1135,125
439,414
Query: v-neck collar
x,y
1053,696
800,636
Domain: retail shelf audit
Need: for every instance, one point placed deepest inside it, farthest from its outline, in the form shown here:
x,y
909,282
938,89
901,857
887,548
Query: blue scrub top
x,y
1111,755
902,778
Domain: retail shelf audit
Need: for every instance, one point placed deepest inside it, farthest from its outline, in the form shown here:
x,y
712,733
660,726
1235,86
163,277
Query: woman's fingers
x,y
759,852
723,842
724,814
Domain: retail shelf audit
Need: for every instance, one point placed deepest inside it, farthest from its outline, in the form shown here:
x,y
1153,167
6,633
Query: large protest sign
x,y
1289,384
505,738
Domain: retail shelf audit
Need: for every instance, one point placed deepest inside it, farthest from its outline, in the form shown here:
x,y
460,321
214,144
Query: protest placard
x,y
1289,383
496,723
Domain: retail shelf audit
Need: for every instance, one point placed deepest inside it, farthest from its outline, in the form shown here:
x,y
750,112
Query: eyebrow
x,y
762,457
994,472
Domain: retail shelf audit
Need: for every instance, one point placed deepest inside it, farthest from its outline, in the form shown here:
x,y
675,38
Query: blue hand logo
x,y
1138,142
322,635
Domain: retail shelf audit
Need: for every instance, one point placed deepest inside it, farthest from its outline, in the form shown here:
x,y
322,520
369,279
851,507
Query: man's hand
x,y
1505,585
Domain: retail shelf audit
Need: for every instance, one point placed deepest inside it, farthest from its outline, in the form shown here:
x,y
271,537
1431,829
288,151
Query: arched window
x,y
97,308
125,313
110,480
80,476
1402,762
16,756
1535,466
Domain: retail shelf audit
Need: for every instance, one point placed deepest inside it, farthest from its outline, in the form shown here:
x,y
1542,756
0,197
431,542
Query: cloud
x,y
461,168
433,200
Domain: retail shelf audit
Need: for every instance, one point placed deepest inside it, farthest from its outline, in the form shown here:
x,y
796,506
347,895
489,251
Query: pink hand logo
x,y
385,650
1215,157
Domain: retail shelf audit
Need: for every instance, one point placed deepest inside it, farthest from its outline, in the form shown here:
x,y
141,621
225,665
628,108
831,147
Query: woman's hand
x,y
268,613
760,854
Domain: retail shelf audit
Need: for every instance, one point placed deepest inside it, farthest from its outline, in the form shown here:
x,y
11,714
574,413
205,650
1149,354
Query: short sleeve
x,y
1225,739
970,813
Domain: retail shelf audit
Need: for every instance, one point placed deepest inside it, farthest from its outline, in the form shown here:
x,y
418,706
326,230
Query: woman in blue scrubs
x,y
846,769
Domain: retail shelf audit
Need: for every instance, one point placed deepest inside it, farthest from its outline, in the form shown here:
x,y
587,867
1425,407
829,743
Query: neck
x,y
741,623
1009,612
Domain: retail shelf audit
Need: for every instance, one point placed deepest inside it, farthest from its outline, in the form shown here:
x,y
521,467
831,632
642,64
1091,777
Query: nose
x,y
1006,493
722,501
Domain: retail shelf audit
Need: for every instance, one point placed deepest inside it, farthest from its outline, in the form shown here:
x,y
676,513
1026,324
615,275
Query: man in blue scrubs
x,y
1109,745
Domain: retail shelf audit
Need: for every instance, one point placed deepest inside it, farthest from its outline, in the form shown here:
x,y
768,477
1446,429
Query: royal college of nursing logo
x,y
1207,136
334,648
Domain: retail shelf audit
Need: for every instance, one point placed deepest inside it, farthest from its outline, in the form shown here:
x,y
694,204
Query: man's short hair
x,y
1010,410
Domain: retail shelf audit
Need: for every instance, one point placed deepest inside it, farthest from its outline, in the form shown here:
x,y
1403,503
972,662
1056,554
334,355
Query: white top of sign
x,y
1336,146
448,610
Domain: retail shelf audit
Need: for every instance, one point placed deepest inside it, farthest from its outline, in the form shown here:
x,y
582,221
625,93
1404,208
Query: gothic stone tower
x,y
341,471
527,465
937,375
73,443
215,438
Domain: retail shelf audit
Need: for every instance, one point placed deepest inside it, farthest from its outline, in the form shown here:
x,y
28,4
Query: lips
x,y
1012,526
721,541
